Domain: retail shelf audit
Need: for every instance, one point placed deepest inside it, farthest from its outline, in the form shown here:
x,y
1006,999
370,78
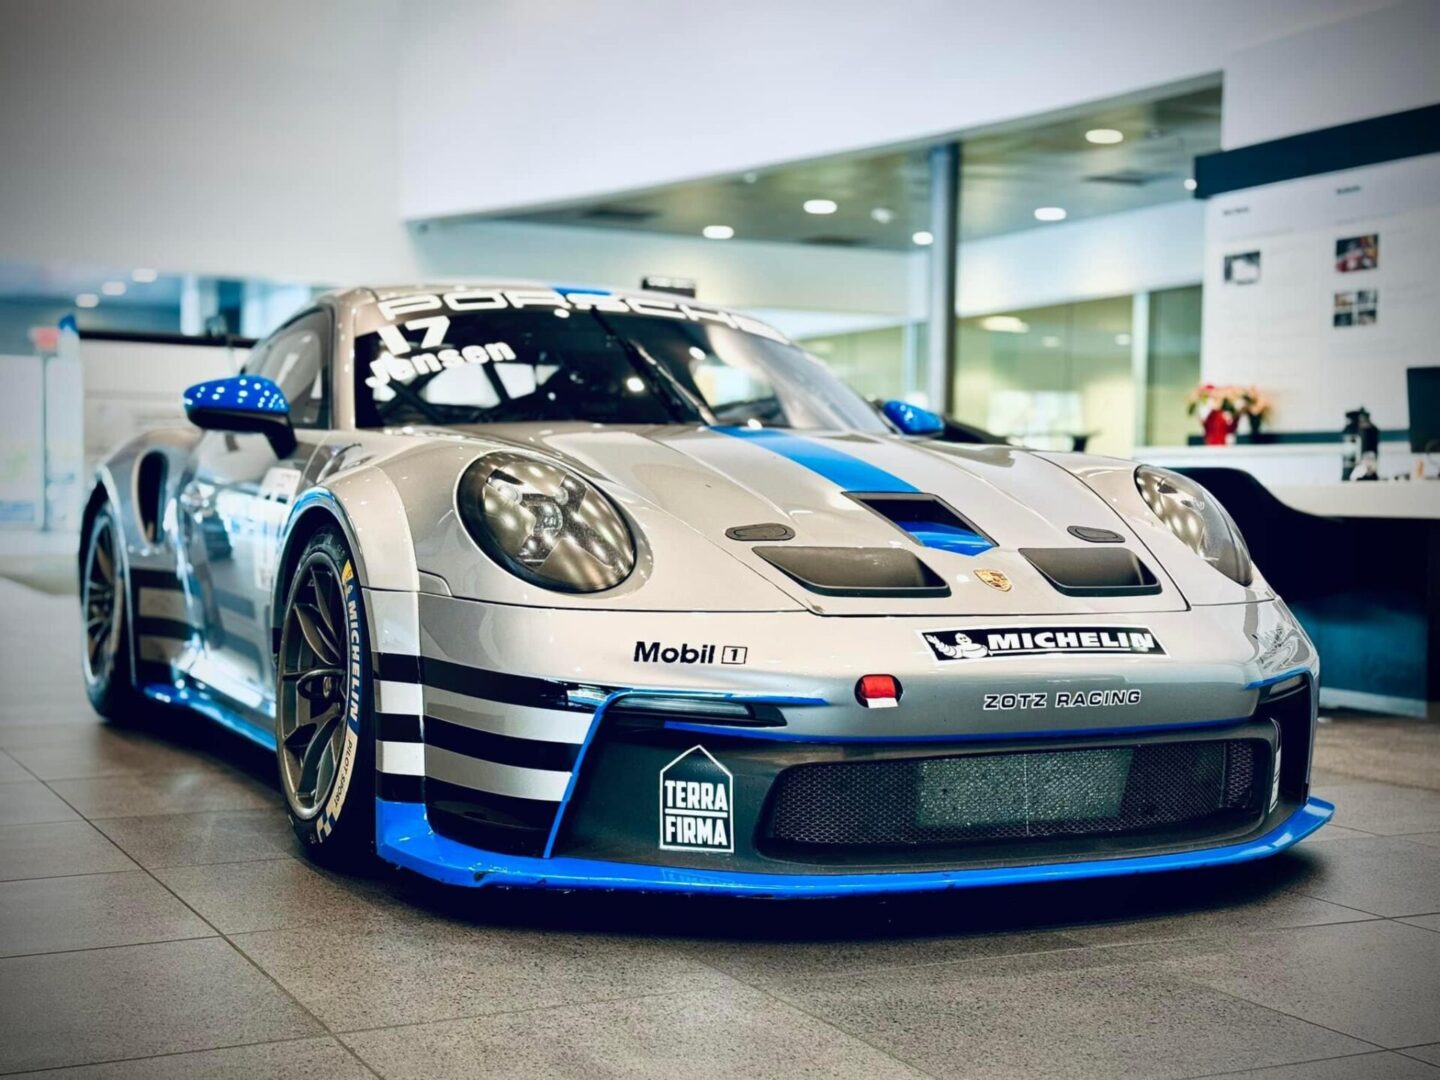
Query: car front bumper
x,y
493,777
404,837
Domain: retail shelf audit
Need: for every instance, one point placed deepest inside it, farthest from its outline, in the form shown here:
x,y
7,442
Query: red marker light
x,y
878,691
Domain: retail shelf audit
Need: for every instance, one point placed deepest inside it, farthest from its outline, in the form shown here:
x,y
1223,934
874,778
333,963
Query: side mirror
x,y
243,403
911,419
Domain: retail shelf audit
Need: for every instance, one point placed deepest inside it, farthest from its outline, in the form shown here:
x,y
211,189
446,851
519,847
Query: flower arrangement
x,y
1220,408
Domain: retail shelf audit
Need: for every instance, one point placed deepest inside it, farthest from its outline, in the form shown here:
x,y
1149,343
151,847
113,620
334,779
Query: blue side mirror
x,y
912,419
243,403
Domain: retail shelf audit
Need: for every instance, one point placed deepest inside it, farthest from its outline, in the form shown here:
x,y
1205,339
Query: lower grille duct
x,y
1018,795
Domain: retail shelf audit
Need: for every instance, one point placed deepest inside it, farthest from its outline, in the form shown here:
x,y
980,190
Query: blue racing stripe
x,y
851,474
848,473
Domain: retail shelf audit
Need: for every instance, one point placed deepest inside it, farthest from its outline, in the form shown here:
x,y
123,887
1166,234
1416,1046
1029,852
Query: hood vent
x,y
930,522
836,571
1093,571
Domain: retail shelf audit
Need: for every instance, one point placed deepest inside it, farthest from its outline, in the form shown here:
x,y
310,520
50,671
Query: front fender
x,y
1113,479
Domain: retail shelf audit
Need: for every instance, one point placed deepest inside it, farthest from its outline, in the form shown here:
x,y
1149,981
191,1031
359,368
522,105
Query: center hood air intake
x,y
836,571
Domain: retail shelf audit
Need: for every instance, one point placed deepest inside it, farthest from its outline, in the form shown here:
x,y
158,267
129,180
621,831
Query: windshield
x,y
484,356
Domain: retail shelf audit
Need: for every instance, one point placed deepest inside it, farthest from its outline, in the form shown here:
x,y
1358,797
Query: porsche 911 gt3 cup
x,y
569,587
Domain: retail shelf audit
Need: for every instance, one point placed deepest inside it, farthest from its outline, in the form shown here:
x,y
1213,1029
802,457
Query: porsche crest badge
x,y
995,579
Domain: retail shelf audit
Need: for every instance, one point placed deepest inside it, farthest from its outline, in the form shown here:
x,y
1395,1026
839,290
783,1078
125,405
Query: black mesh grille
x,y
1104,791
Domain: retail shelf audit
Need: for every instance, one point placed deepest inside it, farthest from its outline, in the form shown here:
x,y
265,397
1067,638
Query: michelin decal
x,y
987,642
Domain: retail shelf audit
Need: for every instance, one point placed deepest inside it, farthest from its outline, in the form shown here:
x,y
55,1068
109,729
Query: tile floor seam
x,y
1285,1065
106,948
234,947
1371,917
1076,946
1347,907
116,873
892,1056
1279,1012
163,1054
341,1033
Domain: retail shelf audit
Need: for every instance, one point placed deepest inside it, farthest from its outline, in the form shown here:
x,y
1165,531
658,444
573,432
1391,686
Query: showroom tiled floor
x,y
156,920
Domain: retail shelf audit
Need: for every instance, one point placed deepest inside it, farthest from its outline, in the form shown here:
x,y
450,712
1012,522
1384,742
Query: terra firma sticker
x,y
697,804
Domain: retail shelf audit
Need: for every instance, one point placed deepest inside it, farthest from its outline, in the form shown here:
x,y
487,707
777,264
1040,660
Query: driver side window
x,y
295,359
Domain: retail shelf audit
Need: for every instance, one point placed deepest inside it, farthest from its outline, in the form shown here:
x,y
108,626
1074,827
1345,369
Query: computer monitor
x,y
1423,384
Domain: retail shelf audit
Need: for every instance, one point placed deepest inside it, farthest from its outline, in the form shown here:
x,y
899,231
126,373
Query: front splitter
x,y
404,837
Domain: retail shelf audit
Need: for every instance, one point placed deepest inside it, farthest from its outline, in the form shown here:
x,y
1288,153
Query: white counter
x,y
1306,476
1418,499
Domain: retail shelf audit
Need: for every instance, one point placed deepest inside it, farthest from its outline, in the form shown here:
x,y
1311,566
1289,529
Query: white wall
x,y
237,138
731,273
513,103
1384,62
1278,333
1158,247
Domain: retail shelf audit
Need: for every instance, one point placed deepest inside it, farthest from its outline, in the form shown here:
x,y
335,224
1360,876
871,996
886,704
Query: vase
x,y
1219,426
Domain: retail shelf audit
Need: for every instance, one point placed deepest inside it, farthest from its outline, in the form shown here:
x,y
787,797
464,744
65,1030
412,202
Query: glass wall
x,y
881,363
1173,367
1059,377
1050,377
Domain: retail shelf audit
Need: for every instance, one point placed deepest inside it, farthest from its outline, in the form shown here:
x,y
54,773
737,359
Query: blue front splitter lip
x,y
404,837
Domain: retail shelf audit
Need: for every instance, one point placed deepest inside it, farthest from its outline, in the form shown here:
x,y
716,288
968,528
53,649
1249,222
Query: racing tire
x,y
104,608
324,723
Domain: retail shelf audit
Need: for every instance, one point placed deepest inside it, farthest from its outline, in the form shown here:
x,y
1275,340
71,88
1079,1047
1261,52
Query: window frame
x,y
324,329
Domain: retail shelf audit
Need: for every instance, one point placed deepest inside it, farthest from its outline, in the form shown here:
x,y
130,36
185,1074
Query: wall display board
x,y
1323,290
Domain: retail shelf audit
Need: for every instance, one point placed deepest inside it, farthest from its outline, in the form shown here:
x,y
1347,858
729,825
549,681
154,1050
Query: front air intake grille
x,y
1105,791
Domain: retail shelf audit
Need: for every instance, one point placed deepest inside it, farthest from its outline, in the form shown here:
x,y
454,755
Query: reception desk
x,y
1358,562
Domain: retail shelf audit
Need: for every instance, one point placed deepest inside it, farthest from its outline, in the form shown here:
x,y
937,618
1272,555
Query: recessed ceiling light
x,y
1049,213
1189,183
821,206
750,177
144,276
113,288
1104,136
1122,339
882,215
1004,324
87,299
717,232
923,238
1049,341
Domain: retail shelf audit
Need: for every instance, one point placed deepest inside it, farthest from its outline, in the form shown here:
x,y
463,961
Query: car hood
x,y
686,487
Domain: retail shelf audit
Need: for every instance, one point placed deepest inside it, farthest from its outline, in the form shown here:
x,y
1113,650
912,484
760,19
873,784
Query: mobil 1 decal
x,y
982,643
697,800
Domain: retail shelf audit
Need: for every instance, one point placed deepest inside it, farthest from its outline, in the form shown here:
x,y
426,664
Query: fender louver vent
x,y
1093,571
929,521
856,571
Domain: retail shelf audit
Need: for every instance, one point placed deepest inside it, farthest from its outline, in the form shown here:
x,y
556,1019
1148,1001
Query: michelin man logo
x,y
963,647
697,804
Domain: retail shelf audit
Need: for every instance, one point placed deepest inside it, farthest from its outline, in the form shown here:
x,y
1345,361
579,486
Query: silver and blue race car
x,y
547,586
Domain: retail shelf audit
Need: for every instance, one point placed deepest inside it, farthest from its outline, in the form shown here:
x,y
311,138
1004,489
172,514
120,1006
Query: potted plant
x,y
1218,408
1256,407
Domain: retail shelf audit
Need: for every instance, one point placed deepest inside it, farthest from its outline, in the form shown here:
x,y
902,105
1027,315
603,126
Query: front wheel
x,y
106,657
323,725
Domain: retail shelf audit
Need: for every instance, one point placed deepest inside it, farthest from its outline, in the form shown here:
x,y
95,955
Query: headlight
x,y
545,524
1198,519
